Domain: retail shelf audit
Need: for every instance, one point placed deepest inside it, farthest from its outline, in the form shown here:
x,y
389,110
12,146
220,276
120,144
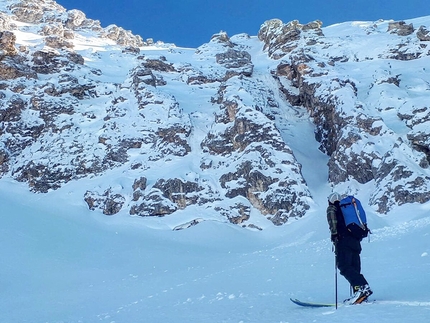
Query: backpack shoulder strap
x,y
357,211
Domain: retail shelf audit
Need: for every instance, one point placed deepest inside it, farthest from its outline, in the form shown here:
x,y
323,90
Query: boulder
x,y
400,28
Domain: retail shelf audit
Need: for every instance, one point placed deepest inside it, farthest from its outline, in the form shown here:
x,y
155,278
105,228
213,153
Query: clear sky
x,y
191,23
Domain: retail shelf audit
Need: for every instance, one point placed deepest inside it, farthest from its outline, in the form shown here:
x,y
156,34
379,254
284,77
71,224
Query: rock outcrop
x,y
348,132
156,132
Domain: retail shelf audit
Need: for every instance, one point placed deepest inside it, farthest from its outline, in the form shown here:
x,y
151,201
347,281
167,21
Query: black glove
x,y
334,238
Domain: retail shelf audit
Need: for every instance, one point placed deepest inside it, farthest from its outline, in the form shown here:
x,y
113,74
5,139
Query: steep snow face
x,y
171,127
235,130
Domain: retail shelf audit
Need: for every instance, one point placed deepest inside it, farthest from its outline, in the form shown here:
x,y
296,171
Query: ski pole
x,y
335,276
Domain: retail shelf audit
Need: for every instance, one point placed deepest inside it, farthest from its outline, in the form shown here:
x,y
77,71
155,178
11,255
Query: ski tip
x,y
310,304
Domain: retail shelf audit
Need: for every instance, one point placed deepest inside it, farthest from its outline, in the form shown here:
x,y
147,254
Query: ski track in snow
x,y
245,298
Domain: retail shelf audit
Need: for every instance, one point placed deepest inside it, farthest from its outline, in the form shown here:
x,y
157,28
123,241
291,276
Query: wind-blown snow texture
x,y
64,263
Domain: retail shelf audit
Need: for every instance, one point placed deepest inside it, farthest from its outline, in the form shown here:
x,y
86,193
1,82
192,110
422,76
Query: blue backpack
x,y
355,217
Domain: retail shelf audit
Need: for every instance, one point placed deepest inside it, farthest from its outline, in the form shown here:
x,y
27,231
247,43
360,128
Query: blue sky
x,y
191,23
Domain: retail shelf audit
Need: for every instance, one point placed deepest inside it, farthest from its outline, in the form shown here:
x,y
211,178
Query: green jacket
x,y
332,218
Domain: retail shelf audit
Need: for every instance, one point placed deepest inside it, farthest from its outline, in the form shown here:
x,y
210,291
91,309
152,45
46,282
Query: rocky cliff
x,y
149,129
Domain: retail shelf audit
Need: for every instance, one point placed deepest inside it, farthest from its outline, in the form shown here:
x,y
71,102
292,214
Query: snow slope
x,y
70,265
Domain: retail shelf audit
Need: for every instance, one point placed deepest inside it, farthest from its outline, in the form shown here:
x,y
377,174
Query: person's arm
x,y
332,221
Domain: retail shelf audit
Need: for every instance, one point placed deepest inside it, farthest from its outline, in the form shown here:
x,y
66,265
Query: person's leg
x,y
349,265
356,264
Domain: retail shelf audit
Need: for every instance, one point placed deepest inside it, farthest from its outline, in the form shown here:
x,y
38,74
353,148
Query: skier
x,y
347,250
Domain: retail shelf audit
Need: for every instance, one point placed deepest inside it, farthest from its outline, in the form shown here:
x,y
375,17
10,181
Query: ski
x,y
311,304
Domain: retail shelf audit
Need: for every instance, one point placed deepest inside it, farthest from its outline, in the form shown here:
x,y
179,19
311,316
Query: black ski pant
x,y
348,261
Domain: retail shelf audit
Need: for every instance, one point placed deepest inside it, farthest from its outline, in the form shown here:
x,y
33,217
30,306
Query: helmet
x,y
333,197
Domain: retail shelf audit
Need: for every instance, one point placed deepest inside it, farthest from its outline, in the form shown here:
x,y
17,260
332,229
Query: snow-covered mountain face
x,y
231,129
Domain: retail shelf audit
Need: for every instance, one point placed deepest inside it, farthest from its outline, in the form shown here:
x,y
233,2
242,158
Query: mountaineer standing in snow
x,y
347,250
